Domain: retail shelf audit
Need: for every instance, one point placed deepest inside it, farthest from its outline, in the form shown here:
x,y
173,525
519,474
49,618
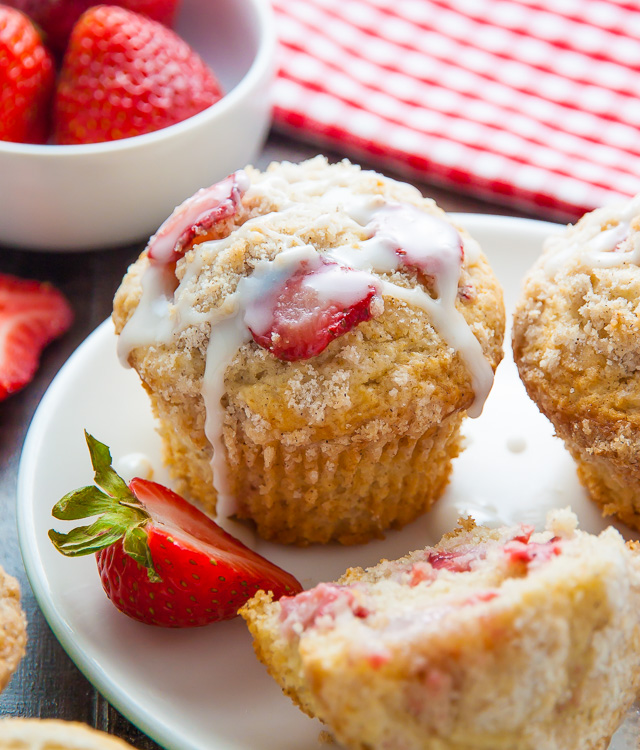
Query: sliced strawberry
x,y
32,314
304,321
57,17
26,80
202,216
162,561
124,75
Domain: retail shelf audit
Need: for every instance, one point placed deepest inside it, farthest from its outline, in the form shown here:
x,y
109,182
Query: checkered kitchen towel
x,y
532,103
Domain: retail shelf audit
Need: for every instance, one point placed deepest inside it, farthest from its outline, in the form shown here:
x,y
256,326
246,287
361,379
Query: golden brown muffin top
x,y
577,325
396,357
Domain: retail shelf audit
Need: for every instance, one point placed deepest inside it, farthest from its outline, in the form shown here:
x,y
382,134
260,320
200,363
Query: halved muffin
x,y
499,639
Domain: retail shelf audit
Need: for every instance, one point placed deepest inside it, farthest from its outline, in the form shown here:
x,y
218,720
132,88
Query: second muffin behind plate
x,y
311,338
576,342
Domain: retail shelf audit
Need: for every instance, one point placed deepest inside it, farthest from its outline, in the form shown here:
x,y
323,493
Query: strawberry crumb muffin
x,y
13,628
53,734
311,338
576,341
497,639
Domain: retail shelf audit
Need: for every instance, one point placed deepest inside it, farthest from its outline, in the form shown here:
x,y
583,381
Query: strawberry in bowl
x,y
123,75
161,561
57,18
119,170
26,80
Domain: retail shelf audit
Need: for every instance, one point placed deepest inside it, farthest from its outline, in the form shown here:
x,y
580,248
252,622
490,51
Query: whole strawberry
x,y
26,80
57,18
161,561
125,75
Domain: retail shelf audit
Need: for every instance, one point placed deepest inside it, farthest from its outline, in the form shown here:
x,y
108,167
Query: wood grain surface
x,y
48,684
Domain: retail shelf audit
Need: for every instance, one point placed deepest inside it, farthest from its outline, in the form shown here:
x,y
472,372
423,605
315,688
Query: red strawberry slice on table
x,y
162,561
32,314
27,79
125,75
57,17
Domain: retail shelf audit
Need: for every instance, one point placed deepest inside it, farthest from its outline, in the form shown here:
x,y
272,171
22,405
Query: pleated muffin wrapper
x,y
349,490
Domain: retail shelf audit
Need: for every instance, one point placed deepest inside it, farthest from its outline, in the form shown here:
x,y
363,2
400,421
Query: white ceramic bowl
x,y
101,195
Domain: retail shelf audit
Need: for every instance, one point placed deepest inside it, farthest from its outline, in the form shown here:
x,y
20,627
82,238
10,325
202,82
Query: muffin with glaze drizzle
x,y
494,639
311,338
576,341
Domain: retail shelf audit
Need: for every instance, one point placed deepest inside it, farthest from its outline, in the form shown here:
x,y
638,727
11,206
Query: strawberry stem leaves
x,y
105,475
136,546
121,516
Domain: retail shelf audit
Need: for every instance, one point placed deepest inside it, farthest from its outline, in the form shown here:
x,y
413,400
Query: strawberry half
x,y
161,561
32,314
26,80
124,75
57,17
305,321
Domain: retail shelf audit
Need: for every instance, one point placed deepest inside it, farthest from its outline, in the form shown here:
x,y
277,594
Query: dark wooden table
x,y
47,683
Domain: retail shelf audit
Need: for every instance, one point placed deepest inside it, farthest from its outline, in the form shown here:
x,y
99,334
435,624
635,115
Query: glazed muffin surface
x,y
352,440
576,343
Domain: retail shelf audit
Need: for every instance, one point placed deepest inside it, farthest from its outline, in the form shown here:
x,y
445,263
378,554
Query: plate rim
x,y
127,705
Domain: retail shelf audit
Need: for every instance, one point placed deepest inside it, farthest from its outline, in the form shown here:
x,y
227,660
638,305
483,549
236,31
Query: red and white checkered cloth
x,y
532,103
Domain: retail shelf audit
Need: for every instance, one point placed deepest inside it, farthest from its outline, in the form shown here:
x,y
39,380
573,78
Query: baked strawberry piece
x,y
161,561
206,215
57,17
307,311
32,314
124,75
26,80
494,638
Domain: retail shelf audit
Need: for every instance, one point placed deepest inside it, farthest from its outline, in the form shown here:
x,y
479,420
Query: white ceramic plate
x,y
204,689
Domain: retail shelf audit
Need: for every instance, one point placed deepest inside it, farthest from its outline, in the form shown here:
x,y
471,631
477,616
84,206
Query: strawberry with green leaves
x,y
161,561
27,79
125,75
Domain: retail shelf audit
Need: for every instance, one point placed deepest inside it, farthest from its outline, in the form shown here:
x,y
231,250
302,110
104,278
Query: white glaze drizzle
x,y
433,246
227,337
609,248
133,465
162,313
153,320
